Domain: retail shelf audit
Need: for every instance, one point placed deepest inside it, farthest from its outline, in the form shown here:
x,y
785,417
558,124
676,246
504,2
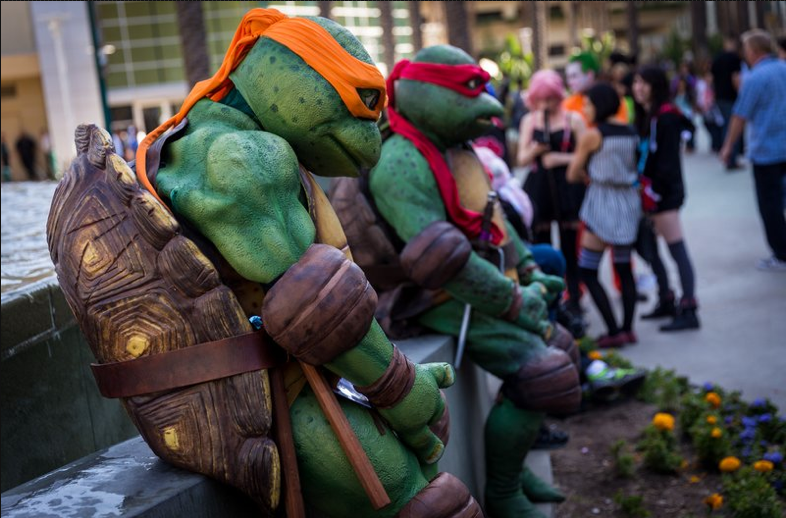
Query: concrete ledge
x,y
129,480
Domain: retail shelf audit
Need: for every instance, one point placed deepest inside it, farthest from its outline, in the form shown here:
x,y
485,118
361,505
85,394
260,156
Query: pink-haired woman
x,y
548,136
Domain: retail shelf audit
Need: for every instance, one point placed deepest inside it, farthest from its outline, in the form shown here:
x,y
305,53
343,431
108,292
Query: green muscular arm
x,y
529,271
247,203
406,195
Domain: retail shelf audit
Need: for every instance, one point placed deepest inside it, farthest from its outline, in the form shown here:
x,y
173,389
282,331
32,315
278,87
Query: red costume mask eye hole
x,y
474,83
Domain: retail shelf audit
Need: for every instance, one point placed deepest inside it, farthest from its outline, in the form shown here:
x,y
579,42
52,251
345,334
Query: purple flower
x,y
765,418
775,457
759,402
708,386
746,451
748,434
749,422
728,419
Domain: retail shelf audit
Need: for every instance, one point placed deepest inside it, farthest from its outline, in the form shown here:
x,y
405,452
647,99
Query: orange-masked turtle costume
x,y
229,226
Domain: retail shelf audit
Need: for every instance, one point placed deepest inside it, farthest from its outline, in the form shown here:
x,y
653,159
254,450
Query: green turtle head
x,y
293,101
446,117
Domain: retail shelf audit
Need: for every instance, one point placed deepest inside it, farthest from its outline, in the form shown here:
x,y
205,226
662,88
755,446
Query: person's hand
x,y
538,148
422,408
725,153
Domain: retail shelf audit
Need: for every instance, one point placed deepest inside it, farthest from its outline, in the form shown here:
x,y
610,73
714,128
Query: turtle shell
x,y
139,287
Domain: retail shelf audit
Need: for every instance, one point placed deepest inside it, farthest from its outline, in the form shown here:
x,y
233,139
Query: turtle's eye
x,y
369,96
474,83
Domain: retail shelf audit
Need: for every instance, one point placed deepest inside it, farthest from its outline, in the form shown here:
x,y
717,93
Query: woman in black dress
x,y
660,125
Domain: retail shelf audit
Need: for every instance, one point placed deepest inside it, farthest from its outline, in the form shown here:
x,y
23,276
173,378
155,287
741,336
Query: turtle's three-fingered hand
x,y
423,407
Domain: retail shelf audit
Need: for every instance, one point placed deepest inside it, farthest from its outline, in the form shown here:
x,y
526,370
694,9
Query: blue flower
x,y
728,419
748,434
765,418
708,386
778,485
759,402
746,451
749,422
775,457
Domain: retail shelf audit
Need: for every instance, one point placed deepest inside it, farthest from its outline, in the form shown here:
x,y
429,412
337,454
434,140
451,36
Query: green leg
x,y
329,483
501,348
510,432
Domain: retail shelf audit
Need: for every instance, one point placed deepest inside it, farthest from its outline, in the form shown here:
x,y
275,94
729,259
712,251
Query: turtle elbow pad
x,y
547,383
436,255
321,307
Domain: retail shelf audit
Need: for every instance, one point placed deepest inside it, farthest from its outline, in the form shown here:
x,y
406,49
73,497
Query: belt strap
x,y
188,366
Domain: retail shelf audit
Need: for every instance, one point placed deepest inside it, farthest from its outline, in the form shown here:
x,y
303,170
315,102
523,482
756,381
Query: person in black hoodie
x,y
660,125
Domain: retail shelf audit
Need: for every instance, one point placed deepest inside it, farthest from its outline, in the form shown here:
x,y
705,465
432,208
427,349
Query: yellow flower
x,y
715,501
694,479
663,421
595,355
713,399
763,465
716,433
711,419
729,464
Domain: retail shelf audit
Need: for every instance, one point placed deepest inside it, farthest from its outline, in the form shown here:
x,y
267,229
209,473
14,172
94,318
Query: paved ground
x,y
742,343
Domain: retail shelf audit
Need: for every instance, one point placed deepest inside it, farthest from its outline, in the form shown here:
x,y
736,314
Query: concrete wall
x,y
52,413
16,29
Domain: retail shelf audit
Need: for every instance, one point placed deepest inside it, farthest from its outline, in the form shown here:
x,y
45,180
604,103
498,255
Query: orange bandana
x,y
306,38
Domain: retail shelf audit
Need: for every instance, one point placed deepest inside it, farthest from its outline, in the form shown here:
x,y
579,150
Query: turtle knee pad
x,y
321,307
563,339
436,255
548,383
445,497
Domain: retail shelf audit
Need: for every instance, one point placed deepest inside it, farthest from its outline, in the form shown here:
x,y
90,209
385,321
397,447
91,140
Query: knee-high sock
x,y
588,270
623,267
567,240
647,247
680,255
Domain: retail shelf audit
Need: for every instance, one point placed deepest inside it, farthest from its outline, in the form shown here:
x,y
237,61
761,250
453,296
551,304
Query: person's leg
x,y
770,196
622,265
589,260
647,248
668,225
569,243
726,108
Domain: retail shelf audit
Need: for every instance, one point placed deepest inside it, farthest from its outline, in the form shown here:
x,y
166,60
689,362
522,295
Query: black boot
x,y
665,308
686,317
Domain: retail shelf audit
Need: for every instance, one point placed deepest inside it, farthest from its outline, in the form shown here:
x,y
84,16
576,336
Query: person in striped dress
x,y
606,158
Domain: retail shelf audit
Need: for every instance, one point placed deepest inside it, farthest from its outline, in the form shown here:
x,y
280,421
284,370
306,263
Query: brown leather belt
x,y
188,366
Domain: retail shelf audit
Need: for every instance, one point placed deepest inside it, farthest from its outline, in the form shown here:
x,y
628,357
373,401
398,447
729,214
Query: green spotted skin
x,y
233,175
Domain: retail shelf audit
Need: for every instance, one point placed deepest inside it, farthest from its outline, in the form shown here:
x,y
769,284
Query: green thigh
x,y
329,483
497,345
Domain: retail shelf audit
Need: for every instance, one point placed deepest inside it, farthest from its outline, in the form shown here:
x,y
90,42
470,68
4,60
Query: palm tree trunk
x,y
416,21
699,28
457,19
191,24
536,12
324,9
388,40
633,28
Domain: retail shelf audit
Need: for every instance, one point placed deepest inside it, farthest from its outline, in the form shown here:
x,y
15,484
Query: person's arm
x,y
528,149
588,144
743,110
736,126
558,158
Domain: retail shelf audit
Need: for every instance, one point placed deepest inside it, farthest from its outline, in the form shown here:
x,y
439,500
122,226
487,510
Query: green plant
x,y
624,463
675,48
601,45
692,405
615,359
660,450
711,441
750,495
664,389
514,63
631,505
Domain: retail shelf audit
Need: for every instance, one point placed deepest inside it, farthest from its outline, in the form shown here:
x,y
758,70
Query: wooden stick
x,y
293,497
346,436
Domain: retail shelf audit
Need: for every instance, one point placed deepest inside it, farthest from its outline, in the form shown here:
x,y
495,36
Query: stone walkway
x,y
742,342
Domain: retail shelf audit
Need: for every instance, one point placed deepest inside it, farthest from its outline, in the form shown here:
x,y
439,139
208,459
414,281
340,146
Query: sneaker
x,y
611,341
771,264
607,383
550,438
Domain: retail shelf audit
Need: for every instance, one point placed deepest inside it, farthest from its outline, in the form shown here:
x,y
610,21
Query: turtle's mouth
x,y
349,155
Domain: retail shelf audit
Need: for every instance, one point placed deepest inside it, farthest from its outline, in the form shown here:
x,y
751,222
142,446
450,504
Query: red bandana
x,y
468,80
